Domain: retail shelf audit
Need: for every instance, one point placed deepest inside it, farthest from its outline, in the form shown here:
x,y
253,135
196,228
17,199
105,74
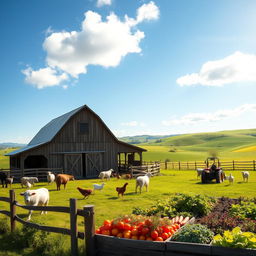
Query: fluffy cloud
x,y
99,42
194,118
44,77
238,67
100,3
133,124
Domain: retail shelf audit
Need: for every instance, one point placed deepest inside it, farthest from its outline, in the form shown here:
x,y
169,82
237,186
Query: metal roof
x,y
15,152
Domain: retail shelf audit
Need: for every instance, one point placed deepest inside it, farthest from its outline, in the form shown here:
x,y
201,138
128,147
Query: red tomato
x,y
120,225
120,235
134,237
97,231
105,232
165,236
148,222
142,237
127,220
102,228
144,231
106,222
127,226
159,238
134,232
107,226
127,234
114,231
166,229
149,239
154,234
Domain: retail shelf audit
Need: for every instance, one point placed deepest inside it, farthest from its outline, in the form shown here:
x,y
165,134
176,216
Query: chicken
x,y
121,190
85,192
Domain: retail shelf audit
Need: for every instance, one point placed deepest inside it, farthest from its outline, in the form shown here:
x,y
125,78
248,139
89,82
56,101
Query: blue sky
x,y
145,67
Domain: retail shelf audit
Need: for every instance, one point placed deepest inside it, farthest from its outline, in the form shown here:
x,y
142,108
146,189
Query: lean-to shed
x,y
79,142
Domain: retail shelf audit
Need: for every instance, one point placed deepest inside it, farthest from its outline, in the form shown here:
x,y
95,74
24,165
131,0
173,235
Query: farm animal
x,y
127,176
37,197
3,177
116,175
98,187
245,175
63,179
106,174
27,184
50,177
31,180
121,190
199,172
85,192
142,181
9,181
230,178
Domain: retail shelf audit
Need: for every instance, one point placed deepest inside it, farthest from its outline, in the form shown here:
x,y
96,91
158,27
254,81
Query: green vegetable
x,y
236,239
195,233
244,210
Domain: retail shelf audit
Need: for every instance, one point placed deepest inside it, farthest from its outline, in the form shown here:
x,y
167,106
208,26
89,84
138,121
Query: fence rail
x,y
234,165
87,212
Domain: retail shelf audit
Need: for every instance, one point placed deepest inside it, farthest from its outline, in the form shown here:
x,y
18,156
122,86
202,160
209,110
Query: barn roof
x,y
50,130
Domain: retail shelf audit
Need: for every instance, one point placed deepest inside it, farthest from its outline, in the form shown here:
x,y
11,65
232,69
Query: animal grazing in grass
x,y
245,175
142,181
199,172
63,179
121,190
37,197
9,181
98,187
85,192
127,176
230,178
106,174
31,180
50,177
3,177
27,184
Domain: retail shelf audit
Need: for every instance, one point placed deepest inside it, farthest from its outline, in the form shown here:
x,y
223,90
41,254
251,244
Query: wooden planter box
x,y
113,246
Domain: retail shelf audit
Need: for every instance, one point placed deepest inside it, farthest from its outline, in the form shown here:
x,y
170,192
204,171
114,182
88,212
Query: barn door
x,y
93,164
73,164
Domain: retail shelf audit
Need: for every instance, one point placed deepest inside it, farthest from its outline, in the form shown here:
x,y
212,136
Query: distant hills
x,y
11,145
139,139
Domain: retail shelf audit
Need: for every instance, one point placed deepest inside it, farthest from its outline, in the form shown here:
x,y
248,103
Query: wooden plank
x,y
73,227
5,212
221,251
5,199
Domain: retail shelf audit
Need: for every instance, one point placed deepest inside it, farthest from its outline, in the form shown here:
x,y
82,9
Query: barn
x,y
78,142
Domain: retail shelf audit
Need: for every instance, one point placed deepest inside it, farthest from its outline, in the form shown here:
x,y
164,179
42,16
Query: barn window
x,y
83,128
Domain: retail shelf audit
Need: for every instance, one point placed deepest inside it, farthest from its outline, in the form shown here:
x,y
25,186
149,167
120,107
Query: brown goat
x,y
63,179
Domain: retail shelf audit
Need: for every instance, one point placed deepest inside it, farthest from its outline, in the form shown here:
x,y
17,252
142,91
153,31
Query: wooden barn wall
x,y
70,140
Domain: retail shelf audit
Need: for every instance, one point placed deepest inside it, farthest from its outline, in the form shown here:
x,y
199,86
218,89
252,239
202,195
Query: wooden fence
x,y
87,213
153,168
226,165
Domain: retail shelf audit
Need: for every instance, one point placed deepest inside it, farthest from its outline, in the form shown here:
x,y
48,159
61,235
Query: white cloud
x,y
44,77
99,42
101,3
238,67
194,118
133,124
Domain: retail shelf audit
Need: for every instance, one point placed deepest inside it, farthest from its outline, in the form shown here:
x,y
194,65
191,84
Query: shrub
x,y
179,204
195,233
244,210
236,239
4,225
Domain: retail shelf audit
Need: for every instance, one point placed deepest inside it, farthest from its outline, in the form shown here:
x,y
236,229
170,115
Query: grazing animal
x,y
9,181
3,177
37,197
50,177
199,172
85,192
245,175
127,176
63,179
106,174
116,175
31,180
98,187
27,184
142,181
230,178
121,190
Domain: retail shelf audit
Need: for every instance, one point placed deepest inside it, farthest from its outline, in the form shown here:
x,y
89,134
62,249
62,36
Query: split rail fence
x,y
87,213
227,165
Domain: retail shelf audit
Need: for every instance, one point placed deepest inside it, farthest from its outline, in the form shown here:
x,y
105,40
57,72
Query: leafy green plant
x,y
236,239
4,225
195,233
244,210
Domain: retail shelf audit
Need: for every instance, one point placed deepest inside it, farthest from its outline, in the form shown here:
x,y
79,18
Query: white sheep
x,y
37,197
50,177
27,184
98,187
245,175
106,174
231,178
31,180
142,181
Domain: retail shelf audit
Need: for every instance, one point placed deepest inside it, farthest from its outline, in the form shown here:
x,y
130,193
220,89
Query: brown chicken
x,y
85,192
121,190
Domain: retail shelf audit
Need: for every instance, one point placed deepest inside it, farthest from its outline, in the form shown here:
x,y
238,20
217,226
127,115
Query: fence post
x,y
73,226
89,226
195,165
12,209
233,165
179,165
165,165
254,165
